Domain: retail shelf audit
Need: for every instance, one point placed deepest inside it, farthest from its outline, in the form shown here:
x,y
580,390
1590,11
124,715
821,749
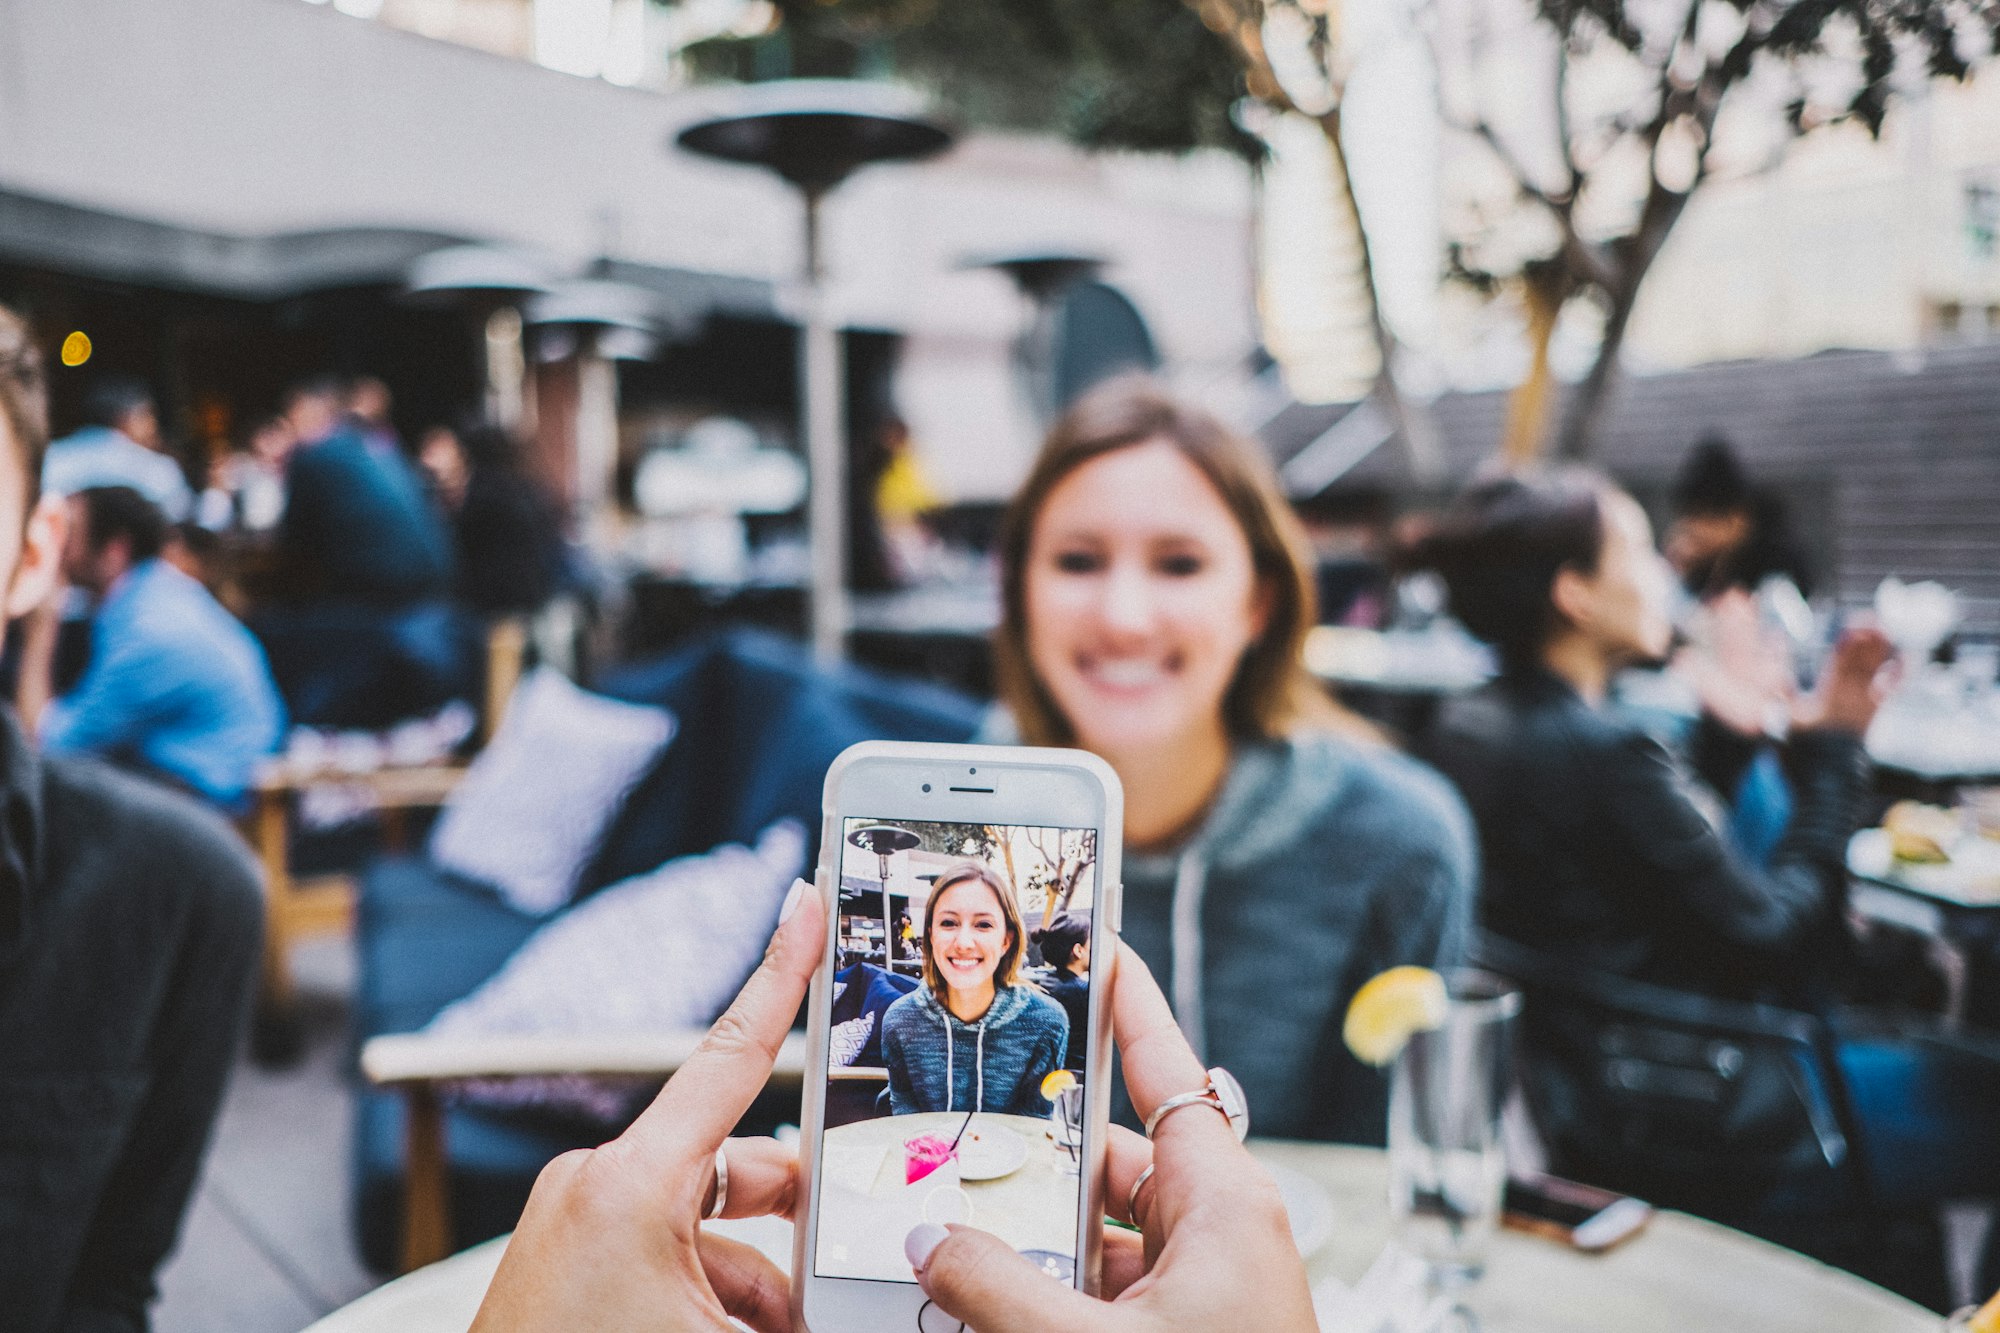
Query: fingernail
x,y
792,900
924,1238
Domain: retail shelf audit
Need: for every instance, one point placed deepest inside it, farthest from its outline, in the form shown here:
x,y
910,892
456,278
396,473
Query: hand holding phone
x,y
1232,1262
611,1236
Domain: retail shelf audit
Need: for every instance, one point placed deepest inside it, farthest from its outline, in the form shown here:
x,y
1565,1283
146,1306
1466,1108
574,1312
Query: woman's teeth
x,y
1128,675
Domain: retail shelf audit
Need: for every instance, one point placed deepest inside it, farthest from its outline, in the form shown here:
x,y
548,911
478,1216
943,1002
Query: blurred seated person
x,y
1732,546
506,529
1727,532
1604,850
365,636
357,527
175,687
369,408
246,488
1065,945
121,446
130,926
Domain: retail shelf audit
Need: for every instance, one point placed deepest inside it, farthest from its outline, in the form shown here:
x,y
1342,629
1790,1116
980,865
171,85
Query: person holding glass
x,y
1156,593
1606,852
975,1036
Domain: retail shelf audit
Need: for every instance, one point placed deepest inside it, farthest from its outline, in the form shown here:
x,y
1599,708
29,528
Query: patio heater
x,y
885,840
491,281
1043,278
815,133
600,323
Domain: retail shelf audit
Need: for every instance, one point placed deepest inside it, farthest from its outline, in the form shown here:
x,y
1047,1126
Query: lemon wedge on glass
x,y
1057,1081
1390,1007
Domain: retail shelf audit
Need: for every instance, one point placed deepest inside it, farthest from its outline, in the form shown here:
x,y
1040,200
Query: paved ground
x,y
266,1247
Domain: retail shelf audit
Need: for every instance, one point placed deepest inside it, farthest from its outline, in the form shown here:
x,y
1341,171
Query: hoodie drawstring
x,y
949,1083
1190,881
979,1066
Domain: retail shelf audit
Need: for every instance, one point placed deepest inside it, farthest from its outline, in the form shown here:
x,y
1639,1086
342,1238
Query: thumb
x,y
974,1276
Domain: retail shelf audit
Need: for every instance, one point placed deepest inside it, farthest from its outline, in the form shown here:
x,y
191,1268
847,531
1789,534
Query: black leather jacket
x,y
1601,845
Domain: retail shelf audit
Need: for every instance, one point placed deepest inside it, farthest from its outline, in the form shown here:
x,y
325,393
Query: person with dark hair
x,y
119,445
1065,945
130,928
1729,533
1156,591
1606,852
175,686
507,530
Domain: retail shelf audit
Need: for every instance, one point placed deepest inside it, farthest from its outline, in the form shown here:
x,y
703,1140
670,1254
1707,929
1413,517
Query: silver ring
x,y
721,1186
1223,1093
1132,1199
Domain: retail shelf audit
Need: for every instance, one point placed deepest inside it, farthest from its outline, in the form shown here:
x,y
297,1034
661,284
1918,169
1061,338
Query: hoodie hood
x,y
1009,1003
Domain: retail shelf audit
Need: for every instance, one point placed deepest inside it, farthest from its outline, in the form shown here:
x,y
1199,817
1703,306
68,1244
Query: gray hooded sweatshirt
x,y
938,1063
1322,862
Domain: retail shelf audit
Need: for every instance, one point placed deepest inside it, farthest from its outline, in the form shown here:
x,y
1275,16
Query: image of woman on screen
x,y
975,1035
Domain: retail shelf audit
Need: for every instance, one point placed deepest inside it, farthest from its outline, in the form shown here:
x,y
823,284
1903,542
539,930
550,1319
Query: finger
x,y
763,1179
976,1277
1195,1149
750,1287
703,1102
1157,1059
1127,1155
1125,1260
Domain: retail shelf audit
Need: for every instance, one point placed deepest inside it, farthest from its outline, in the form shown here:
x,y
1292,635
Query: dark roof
x,y
1890,460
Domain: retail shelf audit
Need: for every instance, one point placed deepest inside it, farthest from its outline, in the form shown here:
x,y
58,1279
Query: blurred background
x,y
751,313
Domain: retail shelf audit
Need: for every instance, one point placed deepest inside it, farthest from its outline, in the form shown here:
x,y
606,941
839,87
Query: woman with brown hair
x,y
974,1036
1156,596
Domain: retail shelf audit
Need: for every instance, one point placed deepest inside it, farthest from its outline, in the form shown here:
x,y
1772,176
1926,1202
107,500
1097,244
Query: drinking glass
x,y
1447,1166
1066,1116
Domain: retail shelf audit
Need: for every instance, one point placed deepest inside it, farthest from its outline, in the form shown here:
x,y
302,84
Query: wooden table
x,y
1681,1275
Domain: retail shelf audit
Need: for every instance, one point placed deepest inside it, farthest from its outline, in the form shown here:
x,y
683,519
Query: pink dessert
x,y
923,1155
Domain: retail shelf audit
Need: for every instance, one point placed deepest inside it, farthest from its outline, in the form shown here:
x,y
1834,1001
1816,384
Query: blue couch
x,y
758,726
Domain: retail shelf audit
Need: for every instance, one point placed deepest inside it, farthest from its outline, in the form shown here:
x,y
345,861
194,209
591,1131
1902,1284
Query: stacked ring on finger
x,y
1132,1199
721,1187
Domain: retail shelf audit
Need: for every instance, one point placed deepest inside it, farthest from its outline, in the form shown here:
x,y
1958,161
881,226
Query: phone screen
x,y
1551,1199
959,1020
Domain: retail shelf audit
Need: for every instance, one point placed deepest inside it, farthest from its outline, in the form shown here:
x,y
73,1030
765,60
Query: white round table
x,y
1681,1275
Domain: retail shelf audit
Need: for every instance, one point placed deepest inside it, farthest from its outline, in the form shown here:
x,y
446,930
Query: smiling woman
x,y
972,999
1156,595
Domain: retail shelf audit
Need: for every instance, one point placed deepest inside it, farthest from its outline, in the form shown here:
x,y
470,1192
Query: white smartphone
x,y
961,1065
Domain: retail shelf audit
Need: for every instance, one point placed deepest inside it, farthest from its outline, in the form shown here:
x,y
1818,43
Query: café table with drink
x,y
1408,1240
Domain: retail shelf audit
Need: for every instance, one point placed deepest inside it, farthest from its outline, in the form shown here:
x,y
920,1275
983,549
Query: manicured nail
x,y
792,900
922,1240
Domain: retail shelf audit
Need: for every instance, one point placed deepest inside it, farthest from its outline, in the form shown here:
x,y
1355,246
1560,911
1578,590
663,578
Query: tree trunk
x,y
1528,406
1410,421
1583,414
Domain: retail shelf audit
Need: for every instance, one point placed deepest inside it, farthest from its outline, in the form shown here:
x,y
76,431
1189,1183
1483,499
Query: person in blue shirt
x,y
361,632
119,447
175,686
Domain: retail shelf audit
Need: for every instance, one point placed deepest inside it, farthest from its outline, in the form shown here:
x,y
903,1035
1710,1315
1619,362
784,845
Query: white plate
x,y
988,1152
1308,1207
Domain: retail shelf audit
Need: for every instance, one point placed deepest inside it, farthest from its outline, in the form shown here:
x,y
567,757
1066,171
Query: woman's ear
x,y
39,569
1573,596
